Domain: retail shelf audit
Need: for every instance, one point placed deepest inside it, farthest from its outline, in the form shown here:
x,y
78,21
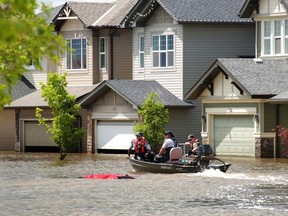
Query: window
x,y
163,50
76,59
102,53
141,52
275,37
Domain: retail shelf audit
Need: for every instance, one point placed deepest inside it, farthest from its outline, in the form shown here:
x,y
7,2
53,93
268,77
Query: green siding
x,y
269,117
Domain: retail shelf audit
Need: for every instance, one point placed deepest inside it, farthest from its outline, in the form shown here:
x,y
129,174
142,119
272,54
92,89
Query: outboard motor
x,y
205,150
205,155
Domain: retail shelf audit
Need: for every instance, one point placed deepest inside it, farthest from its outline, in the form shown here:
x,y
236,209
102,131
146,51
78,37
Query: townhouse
x,y
243,99
126,49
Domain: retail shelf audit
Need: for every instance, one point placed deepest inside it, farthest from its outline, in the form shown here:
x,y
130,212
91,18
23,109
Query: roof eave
x,y
248,7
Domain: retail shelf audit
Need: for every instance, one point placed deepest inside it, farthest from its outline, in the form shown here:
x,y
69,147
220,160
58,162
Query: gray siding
x,y
181,124
283,117
270,119
203,44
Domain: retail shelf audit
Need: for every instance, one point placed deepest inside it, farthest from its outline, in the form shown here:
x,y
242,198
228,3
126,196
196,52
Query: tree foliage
x,y
282,133
25,37
153,118
65,110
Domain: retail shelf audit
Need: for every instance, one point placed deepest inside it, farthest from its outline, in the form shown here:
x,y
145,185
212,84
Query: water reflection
x,y
34,184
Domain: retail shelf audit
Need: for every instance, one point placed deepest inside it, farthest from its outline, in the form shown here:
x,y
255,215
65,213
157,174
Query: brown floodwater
x,y
37,184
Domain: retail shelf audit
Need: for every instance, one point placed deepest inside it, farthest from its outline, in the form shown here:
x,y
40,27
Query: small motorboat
x,y
181,164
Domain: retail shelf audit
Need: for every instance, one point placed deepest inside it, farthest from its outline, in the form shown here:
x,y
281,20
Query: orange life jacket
x,y
141,142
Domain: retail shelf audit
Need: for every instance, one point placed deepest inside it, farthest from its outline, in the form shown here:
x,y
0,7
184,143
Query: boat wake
x,y
241,176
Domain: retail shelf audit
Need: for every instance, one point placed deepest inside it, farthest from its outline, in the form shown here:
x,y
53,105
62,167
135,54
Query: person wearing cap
x,y
164,152
141,147
193,143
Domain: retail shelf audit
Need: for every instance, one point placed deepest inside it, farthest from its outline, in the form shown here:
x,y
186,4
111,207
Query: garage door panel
x,y
36,135
113,135
233,135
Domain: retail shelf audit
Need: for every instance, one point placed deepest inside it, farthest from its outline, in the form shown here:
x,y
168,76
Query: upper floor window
x,y
76,59
102,52
141,52
163,50
275,37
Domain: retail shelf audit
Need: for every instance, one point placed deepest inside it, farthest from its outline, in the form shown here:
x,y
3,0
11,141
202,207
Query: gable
x,y
160,16
271,6
111,102
73,25
111,98
223,87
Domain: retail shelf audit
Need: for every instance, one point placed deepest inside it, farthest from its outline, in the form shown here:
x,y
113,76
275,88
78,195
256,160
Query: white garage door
x,y
114,135
233,135
35,135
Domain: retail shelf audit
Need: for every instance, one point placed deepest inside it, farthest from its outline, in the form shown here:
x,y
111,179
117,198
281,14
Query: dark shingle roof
x,y
204,10
265,79
280,97
51,13
135,92
89,12
97,14
34,99
23,87
116,13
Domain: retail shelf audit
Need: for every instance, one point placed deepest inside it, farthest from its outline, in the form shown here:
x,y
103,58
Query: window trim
x,y
161,51
273,37
141,51
82,58
102,53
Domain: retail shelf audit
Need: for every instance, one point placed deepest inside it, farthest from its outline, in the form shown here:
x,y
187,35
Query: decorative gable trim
x,y
238,87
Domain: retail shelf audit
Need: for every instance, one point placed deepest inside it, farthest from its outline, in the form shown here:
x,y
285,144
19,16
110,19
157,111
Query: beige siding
x,y
7,130
75,29
224,88
122,54
95,60
170,78
36,76
271,6
113,107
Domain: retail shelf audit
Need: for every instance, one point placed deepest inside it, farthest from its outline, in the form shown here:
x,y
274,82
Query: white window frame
x,y
83,60
270,38
168,51
141,51
102,53
31,65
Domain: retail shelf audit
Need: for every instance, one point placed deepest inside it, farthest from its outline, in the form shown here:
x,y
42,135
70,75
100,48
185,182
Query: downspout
x,y
111,55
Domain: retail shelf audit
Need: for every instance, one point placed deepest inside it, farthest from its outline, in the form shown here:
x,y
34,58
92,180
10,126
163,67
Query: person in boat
x,y
141,147
193,144
164,152
174,140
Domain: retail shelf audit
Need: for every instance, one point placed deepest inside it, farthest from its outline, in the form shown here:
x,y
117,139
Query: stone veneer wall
x,y
264,147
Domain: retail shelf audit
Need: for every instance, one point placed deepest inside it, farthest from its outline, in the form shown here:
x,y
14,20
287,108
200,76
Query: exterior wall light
x,y
256,117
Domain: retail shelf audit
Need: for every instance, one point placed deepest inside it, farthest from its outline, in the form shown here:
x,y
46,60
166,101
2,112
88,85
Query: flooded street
x,y
36,184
